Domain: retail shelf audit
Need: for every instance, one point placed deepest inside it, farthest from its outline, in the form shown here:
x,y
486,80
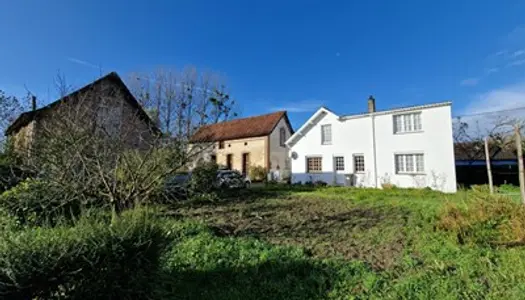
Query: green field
x,y
340,243
275,242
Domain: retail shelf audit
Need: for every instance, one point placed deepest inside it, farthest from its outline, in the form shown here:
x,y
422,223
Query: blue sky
x,y
294,55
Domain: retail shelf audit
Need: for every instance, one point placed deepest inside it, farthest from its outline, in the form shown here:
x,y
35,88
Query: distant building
x,y
242,143
105,105
406,147
471,164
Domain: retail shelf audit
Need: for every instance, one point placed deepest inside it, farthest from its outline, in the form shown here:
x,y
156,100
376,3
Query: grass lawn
x,y
340,243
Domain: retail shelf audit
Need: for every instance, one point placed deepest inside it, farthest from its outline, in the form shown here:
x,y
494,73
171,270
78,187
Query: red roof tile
x,y
240,128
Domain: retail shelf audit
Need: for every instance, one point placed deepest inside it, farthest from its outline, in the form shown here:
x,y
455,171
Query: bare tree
x,y
183,101
93,145
469,137
10,108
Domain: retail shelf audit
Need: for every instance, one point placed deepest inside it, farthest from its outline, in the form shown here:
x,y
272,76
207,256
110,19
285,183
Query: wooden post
x,y
489,169
520,161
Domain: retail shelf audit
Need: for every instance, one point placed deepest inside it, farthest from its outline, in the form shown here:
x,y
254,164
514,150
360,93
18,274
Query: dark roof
x,y
26,117
240,128
476,151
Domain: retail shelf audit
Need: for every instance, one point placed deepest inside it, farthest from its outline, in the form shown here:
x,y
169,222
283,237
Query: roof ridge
x,y
400,108
21,121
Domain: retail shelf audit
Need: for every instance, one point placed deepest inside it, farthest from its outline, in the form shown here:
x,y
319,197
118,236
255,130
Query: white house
x,y
406,147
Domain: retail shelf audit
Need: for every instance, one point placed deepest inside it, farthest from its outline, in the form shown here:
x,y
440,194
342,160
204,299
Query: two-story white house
x,y
405,147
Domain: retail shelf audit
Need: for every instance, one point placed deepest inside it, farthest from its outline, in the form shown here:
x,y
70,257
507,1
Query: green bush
x,y
37,202
10,175
92,260
257,173
203,178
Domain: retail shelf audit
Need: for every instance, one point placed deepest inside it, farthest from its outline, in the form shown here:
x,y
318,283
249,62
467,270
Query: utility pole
x,y
520,161
489,170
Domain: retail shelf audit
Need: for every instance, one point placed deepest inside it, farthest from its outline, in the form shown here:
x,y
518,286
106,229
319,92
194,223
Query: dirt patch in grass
x,y
326,228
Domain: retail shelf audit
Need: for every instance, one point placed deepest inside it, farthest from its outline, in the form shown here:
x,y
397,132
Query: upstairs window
x,y
109,119
407,123
326,134
221,145
282,136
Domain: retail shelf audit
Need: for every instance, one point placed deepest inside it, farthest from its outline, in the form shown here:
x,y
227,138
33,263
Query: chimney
x,y
33,102
371,104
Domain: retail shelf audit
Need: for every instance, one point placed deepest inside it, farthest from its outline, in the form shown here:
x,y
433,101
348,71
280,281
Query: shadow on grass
x,y
270,280
250,195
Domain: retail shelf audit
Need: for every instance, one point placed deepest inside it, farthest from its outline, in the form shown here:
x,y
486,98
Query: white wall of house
x,y
372,136
279,154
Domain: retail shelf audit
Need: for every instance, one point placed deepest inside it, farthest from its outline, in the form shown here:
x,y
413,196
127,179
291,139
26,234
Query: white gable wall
x,y
346,140
355,136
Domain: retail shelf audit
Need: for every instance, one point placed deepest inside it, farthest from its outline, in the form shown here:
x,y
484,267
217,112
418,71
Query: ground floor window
x,y
410,163
339,163
359,163
314,164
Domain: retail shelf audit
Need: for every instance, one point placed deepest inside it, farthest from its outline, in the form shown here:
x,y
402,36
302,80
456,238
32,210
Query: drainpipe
x,y
374,148
371,111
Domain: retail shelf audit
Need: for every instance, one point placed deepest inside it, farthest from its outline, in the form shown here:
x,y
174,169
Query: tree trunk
x,y
489,171
520,162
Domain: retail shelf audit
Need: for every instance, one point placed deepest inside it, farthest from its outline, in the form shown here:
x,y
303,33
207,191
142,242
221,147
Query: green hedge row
x,y
92,260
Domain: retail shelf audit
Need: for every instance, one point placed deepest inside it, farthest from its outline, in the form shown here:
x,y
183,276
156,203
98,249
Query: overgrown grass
x,y
360,243
281,243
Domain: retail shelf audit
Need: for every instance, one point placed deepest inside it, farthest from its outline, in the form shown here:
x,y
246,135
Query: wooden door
x,y
229,161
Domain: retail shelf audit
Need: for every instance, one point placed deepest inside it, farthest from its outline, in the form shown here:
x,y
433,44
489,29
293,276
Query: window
x,y
407,123
282,136
409,163
108,119
326,134
420,164
359,163
314,164
417,122
221,145
213,158
339,163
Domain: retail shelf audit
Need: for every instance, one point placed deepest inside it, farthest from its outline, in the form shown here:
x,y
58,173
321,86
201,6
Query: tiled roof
x,y
26,117
240,128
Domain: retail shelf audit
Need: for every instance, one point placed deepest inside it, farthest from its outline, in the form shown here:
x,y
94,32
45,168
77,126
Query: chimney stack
x,y
371,104
33,102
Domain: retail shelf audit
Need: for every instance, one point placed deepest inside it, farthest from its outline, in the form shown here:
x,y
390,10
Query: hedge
x,y
92,260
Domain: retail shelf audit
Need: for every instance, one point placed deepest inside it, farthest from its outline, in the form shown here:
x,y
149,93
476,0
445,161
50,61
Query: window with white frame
x,y
407,123
314,164
359,163
326,134
339,163
410,163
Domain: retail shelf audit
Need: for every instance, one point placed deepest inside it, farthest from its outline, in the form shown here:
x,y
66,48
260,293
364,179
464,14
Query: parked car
x,y
232,179
178,184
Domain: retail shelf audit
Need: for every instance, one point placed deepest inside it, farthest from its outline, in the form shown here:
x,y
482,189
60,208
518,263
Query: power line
x,y
490,112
